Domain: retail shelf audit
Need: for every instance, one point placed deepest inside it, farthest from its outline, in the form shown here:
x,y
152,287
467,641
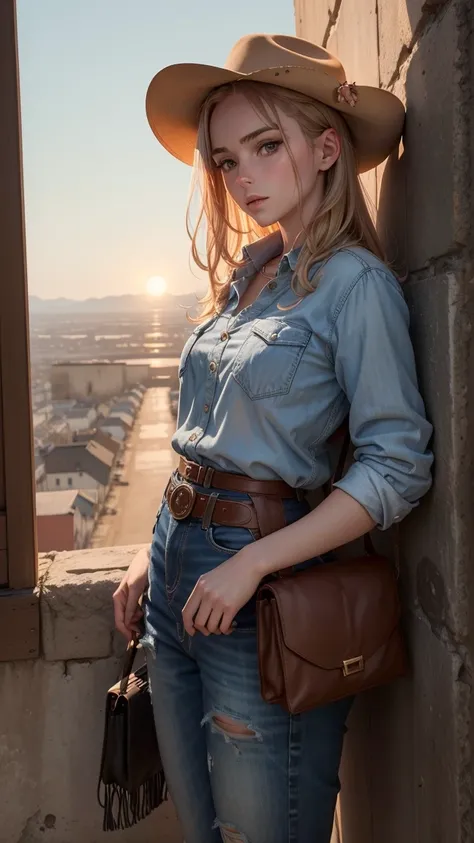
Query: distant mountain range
x,y
112,304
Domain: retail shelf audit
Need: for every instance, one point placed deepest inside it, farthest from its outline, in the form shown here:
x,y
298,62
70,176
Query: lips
x,y
255,201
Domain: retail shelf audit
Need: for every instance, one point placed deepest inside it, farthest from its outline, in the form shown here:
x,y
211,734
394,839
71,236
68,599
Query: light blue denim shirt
x,y
263,391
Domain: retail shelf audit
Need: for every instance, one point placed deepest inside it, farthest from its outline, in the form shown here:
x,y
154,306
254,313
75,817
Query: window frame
x,y
19,609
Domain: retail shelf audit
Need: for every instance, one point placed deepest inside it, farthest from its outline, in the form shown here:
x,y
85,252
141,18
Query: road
x,y
149,461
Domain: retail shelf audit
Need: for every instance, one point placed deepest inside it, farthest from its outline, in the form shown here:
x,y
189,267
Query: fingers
x,y
212,627
127,612
119,602
201,618
135,624
206,612
133,596
190,611
227,624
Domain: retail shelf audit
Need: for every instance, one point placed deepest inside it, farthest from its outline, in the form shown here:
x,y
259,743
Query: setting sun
x,y
156,286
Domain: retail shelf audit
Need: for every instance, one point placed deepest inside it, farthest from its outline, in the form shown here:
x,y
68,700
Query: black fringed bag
x,y
131,780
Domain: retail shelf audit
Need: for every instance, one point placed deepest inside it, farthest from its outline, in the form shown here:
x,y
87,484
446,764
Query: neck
x,y
293,225
291,237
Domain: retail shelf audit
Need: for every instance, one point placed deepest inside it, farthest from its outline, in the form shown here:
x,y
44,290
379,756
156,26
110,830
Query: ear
x,y
329,147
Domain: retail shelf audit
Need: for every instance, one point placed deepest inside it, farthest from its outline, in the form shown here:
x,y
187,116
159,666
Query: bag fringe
x,y
123,808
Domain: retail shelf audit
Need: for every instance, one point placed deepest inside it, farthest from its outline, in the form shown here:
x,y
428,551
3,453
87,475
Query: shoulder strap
x,y
127,664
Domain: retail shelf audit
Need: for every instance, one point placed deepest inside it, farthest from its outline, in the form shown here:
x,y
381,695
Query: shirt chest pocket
x,y
191,341
268,360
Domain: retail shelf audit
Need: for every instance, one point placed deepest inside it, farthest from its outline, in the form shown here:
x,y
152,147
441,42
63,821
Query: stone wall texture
x,y
408,764
52,710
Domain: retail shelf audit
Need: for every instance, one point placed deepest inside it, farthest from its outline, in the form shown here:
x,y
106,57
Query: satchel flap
x,y
337,611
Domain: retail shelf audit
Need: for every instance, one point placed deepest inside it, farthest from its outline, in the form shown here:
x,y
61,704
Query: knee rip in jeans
x,y
231,728
230,834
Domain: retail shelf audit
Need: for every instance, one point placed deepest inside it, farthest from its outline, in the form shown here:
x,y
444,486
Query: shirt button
x,y
224,336
272,285
193,437
212,366
274,337
206,408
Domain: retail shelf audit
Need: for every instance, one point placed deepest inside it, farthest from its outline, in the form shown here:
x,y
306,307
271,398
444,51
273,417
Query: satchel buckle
x,y
350,666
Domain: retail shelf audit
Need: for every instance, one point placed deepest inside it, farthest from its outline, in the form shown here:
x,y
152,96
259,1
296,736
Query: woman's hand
x,y
126,598
218,595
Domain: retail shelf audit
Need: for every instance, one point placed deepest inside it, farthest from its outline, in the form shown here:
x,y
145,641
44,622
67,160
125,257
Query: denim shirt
x,y
261,392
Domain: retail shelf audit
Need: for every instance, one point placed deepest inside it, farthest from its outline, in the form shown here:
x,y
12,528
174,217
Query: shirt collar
x,y
256,255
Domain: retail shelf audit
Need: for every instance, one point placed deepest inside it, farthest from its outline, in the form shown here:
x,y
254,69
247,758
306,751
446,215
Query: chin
x,y
265,217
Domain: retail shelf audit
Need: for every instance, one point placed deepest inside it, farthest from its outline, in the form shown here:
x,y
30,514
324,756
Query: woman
x,y
303,325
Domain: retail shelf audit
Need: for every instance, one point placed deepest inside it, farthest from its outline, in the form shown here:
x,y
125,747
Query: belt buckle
x,y
181,500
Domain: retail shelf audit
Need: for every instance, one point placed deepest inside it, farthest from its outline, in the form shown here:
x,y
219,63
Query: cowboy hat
x,y
176,93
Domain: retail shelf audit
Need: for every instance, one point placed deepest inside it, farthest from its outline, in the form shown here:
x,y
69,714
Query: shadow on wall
x,y
415,214
400,771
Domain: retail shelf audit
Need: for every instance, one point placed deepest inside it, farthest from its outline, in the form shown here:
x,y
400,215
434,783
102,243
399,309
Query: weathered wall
x,y
52,710
407,772
88,380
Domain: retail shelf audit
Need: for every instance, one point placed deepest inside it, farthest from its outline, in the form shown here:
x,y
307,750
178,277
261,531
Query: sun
x,y
156,286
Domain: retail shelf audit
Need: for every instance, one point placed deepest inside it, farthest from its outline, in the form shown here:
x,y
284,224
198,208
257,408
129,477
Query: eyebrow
x,y
247,138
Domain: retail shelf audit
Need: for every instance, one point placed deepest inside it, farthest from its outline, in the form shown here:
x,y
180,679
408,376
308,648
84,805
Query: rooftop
x,y
55,503
90,458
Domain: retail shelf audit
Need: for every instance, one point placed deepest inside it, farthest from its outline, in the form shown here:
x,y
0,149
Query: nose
x,y
243,181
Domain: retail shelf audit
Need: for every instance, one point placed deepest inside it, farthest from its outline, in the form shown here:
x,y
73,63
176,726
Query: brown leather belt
x,y
263,514
211,478
184,500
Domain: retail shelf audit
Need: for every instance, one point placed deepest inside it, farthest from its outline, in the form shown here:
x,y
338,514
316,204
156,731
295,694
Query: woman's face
x,y
257,170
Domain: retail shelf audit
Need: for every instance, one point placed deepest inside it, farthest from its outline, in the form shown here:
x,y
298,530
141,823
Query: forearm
x,y
337,520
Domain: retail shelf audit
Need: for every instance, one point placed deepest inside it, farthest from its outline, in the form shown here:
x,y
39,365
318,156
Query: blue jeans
x,y
278,781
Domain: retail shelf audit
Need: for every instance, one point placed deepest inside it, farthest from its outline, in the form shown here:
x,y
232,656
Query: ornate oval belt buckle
x,y
181,500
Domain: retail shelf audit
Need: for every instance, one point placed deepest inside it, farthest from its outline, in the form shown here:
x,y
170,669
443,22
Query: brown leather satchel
x,y
329,631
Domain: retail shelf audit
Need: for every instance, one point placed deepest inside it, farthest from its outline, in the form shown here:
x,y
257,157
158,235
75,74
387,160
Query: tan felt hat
x,y
176,93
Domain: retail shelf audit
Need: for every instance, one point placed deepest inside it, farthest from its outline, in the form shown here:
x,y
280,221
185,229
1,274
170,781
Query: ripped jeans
x,y
277,780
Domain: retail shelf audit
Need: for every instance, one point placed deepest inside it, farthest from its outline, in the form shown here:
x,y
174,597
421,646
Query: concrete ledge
x,y
76,602
52,710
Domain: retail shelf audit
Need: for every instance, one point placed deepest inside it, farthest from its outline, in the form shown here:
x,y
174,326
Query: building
x,y
128,404
115,426
96,379
79,465
101,436
40,474
62,406
65,520
80,418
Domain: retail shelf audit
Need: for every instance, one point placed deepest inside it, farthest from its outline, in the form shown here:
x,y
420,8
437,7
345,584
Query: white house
x,y
80,418
80,465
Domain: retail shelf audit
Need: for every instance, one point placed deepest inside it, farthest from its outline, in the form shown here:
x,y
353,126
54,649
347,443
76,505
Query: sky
x,y
105,203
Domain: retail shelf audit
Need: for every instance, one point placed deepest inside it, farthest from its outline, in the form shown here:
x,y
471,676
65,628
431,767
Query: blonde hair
x,y
341,220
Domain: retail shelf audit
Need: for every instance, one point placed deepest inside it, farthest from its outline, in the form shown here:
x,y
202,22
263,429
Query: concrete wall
x,y
52,710
76,380
407,772
137,373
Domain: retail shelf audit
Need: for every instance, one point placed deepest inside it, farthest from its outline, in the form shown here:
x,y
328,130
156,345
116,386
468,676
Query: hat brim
x,y
176,93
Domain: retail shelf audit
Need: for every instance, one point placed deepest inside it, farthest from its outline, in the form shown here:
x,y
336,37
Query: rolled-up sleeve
x,y
375,366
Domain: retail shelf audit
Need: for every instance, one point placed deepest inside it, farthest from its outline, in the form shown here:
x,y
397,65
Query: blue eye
x,y
223,165
270,146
